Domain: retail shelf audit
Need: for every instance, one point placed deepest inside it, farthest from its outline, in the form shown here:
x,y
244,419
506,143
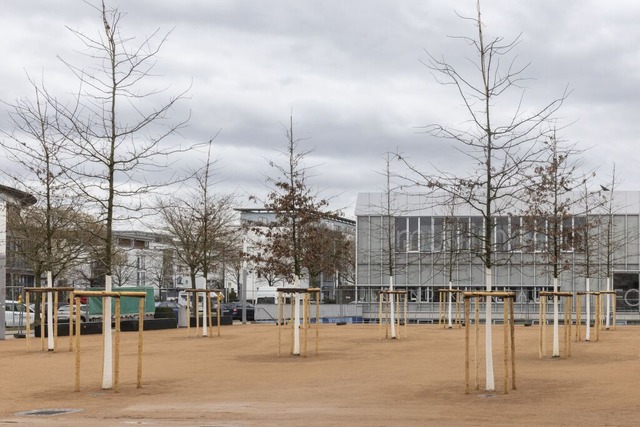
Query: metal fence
x,y
428,312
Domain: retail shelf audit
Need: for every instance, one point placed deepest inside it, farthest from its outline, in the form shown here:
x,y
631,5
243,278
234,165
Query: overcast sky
x,y
351,74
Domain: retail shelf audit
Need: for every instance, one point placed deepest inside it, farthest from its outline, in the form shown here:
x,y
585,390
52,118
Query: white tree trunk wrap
x,y
449,301
608,303
205,312
490,386
296,318
588,323
392,309
50,341
107,366
556,337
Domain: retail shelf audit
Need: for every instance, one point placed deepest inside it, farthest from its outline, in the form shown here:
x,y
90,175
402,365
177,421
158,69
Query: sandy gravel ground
x,y
357,378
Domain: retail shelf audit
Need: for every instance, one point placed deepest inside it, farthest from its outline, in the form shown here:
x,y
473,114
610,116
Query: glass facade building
x,y
428,246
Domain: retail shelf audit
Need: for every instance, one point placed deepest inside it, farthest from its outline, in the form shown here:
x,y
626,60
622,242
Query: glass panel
x,y
376,274
567,234
502,234
438,229
464,274
580,230
477,275
414,236
413,270
618,234
363,274
541,234
631,239
401,234
463,234
516,234
376,232
477,232
425,234
363,233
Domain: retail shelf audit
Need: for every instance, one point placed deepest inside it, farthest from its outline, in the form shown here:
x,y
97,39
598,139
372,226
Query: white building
x,y
257,285
14,275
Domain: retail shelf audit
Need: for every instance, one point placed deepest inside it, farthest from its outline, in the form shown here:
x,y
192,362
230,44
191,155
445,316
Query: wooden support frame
x,y
567,321
385,301
598,312
509,346
106,322
442,306
53,292
207,308
291,293
603,314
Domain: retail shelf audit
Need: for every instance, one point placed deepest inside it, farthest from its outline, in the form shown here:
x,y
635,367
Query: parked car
x,y
15,314
63,313
173,305
234,309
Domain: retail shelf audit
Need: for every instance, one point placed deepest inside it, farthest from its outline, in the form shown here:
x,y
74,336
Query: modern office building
x,y
431,245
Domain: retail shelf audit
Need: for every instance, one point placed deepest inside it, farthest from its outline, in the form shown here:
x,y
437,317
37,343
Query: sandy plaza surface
x,y
357,378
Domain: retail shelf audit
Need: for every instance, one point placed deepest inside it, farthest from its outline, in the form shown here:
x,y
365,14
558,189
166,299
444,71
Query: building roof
x,y
264,211
421,204
24,198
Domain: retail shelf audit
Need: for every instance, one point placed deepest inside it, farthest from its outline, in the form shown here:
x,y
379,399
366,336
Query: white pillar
x,y
107,366
50,341
490,386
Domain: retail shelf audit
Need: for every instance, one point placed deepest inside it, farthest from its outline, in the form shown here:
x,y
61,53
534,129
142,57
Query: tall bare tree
x,y
117,128
501,140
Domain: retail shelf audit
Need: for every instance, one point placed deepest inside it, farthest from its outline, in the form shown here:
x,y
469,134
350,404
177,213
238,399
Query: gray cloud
x,y
351,74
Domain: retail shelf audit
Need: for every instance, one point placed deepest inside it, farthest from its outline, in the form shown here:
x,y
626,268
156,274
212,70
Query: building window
x,y
502,234
141,273
426,235
414,235
401,234
438,230
141,278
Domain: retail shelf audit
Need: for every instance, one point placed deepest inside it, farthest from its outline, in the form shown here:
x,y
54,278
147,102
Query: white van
x,y
14,314
267,295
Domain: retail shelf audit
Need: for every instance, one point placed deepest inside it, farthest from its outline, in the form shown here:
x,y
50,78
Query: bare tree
x,y
552,204
200,223
116,128
502,143
47,235
36,145
611,239
231,260
184,229
124,269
